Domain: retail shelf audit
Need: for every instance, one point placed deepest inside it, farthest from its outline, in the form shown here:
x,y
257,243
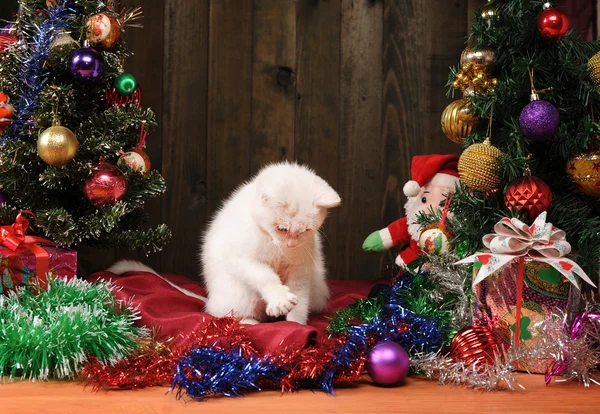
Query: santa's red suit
x,y
398,233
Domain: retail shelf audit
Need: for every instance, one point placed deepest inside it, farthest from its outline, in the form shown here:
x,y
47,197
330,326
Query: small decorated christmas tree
x,y
73,127
528,123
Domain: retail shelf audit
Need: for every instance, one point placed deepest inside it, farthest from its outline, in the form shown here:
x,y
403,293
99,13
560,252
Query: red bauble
x,y
7,39
6,112
112,98
476,344
106,185
553,23
529,195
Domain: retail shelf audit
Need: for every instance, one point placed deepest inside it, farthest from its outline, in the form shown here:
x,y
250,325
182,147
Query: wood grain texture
x,y
360,161
417,395
229,98
185,82
273,82
318,102
353,88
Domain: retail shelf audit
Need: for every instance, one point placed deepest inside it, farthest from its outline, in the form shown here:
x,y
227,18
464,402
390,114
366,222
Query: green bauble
x,y
125,84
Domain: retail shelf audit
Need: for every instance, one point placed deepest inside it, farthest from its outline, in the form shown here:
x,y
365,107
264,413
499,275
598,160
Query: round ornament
x,y
594,69
584,171
125,84
539,120
137,160
387,363
62,44
87,65
475,344
553,23
105,186
489,11
434,239
6,112
458,121
103,30
3,198
57,145
483,57
479,166
529,195
113,98
7,39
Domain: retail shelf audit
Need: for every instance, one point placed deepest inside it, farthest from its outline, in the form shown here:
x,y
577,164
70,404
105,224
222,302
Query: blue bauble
x,y
87,65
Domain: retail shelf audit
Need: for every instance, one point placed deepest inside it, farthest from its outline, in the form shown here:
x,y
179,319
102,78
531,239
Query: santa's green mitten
x,y
373,243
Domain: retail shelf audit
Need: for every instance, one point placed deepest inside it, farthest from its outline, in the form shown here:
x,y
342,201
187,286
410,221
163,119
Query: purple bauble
x,y
539,120
388,363
6,29
3,198
87,65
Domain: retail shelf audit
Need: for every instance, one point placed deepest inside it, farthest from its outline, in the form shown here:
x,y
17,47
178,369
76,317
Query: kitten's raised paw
x,y
280,301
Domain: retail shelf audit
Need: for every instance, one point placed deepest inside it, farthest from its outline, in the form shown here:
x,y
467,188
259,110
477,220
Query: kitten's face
x,y
293,208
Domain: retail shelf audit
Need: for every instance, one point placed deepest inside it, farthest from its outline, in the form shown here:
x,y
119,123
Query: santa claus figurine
x,y
433,178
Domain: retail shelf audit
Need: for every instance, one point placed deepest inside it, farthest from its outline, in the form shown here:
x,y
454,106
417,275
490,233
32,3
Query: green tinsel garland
x,y
52,333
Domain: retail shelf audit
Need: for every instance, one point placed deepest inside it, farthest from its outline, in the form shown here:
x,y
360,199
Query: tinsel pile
x,y
416,311
421,311
52,333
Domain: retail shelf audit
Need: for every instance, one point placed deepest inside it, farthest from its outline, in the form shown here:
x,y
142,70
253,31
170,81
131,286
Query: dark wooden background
x,y
353,88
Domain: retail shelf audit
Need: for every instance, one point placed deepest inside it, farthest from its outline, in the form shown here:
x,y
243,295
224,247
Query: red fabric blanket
x,y
175,314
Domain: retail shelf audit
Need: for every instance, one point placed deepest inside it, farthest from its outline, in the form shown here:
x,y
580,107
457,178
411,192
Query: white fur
x,y
261,255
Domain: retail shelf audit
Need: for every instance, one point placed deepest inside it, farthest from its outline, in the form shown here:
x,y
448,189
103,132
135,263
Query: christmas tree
x,y
528,123
73,127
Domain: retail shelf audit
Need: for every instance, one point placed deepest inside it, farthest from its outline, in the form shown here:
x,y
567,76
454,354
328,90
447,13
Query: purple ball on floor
x,y
539,120
388,363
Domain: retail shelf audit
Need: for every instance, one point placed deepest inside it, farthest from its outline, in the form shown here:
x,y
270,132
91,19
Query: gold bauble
x,y
489,11
484,58
457,121
57,145
479,166
594,69
584,171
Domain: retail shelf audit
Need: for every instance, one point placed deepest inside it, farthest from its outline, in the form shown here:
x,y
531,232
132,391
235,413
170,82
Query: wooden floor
x,y
416,396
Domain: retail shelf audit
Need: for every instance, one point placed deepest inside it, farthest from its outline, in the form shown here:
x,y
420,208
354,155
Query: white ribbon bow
x,y
513,239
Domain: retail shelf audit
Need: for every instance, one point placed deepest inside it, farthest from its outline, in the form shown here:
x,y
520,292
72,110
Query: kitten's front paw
x,y
280,301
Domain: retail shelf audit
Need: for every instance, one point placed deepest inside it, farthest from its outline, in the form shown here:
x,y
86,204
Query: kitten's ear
x,y
326,196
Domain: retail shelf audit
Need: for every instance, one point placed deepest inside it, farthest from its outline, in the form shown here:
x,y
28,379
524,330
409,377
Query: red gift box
x,y
25,258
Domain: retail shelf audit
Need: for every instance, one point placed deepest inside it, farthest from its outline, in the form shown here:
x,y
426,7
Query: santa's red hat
x,y
437,169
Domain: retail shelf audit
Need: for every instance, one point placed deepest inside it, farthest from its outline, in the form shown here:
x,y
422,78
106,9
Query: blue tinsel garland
x,y
31,78
207,371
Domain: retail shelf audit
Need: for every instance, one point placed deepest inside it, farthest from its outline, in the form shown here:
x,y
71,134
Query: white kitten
x,y
261,255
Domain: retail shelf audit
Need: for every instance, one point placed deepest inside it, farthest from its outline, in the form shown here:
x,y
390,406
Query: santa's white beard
x,y
412,212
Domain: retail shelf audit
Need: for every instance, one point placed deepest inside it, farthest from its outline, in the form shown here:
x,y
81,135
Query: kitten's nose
x,y
291,243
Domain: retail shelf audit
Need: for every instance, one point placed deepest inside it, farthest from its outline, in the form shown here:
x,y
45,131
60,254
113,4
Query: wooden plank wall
x,y
353,88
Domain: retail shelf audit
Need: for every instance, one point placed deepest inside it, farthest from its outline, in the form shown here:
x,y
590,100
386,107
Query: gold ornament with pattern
x,y
472,76
479,166
458,121
584,171
594,69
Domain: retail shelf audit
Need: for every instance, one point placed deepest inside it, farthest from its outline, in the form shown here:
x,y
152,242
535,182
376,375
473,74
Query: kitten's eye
x,y
424,200
306,231
282,229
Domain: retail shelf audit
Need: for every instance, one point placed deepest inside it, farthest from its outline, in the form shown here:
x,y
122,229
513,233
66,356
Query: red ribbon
x,y
13,236
143,135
